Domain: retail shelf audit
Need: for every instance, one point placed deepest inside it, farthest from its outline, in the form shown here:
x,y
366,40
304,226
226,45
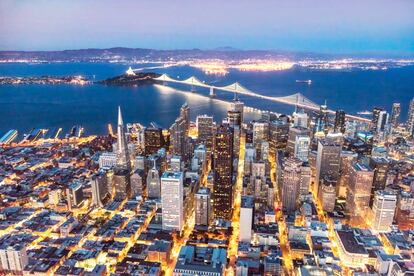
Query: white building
x,y
302,144
172,201
107,159
246,218
383,210
300,119
13,258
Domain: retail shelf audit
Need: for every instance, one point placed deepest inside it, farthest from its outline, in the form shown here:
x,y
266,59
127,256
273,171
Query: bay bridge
x,y
296,99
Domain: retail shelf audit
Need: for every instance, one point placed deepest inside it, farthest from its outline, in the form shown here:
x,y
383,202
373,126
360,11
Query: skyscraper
x,y
383,210
323,119
395,114
122,146
359,193
223,173
328,161
375,117
203,210
246,218
121,182
234,118
380,167
154,183
300,119
339,125
260,133
179,133
302,144
99,188
293,133
410,118
291,183
153,140
238,106
278,135
205,129
172,201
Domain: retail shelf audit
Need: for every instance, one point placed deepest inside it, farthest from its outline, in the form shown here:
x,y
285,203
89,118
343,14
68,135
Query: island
x,y
131,79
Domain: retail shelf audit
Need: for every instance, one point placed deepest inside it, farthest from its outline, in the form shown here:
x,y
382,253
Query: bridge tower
x,y
212,92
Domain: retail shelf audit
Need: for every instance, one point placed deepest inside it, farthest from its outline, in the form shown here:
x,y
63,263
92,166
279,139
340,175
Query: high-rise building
x,y
291,183
339,125
382,121
237,105
153,140
359,193
107,160
234,118
179,133
380,167
99,187
278,135
122,146
121,182
300,119
203,210
205,129
137,182
328,161
172,193
293,132
347,159
74,194
322,123
223,173
395,114
327,193
154,183
260,133
246,218
410,118
383,210
375,118
13,258
302,145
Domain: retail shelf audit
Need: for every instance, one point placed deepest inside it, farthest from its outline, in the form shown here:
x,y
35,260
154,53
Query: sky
x,y
331,26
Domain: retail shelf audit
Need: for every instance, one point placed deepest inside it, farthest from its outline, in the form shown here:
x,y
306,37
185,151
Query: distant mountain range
x,y
130,54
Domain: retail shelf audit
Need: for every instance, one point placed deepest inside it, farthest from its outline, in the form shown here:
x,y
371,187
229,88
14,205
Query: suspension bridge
x,y
296,99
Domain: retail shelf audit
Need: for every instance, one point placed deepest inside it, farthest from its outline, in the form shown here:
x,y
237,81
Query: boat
x,y
366,112
304,81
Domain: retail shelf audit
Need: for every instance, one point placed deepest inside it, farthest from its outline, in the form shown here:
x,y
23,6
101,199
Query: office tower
x,y
246,219
153,183
323,120
13,258
382,121
205,129
278,135
380,167
200,154
293,132
260,133
300,119
203,210
121,182
375,118
410,118
179,133
107,160
122,146
328,161
74,195
359,193
383,210
175,163
153,140
327,193
291,183
223,173
140,162
234,118
339,125
137,182
395,114
172,201
237,105
347,159
305,180
54,196
99,187
302,144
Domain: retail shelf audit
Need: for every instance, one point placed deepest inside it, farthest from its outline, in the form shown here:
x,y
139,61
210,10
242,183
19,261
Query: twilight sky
x,y
335,26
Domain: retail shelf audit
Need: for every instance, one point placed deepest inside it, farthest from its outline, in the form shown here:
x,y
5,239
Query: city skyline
x,y
325,26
